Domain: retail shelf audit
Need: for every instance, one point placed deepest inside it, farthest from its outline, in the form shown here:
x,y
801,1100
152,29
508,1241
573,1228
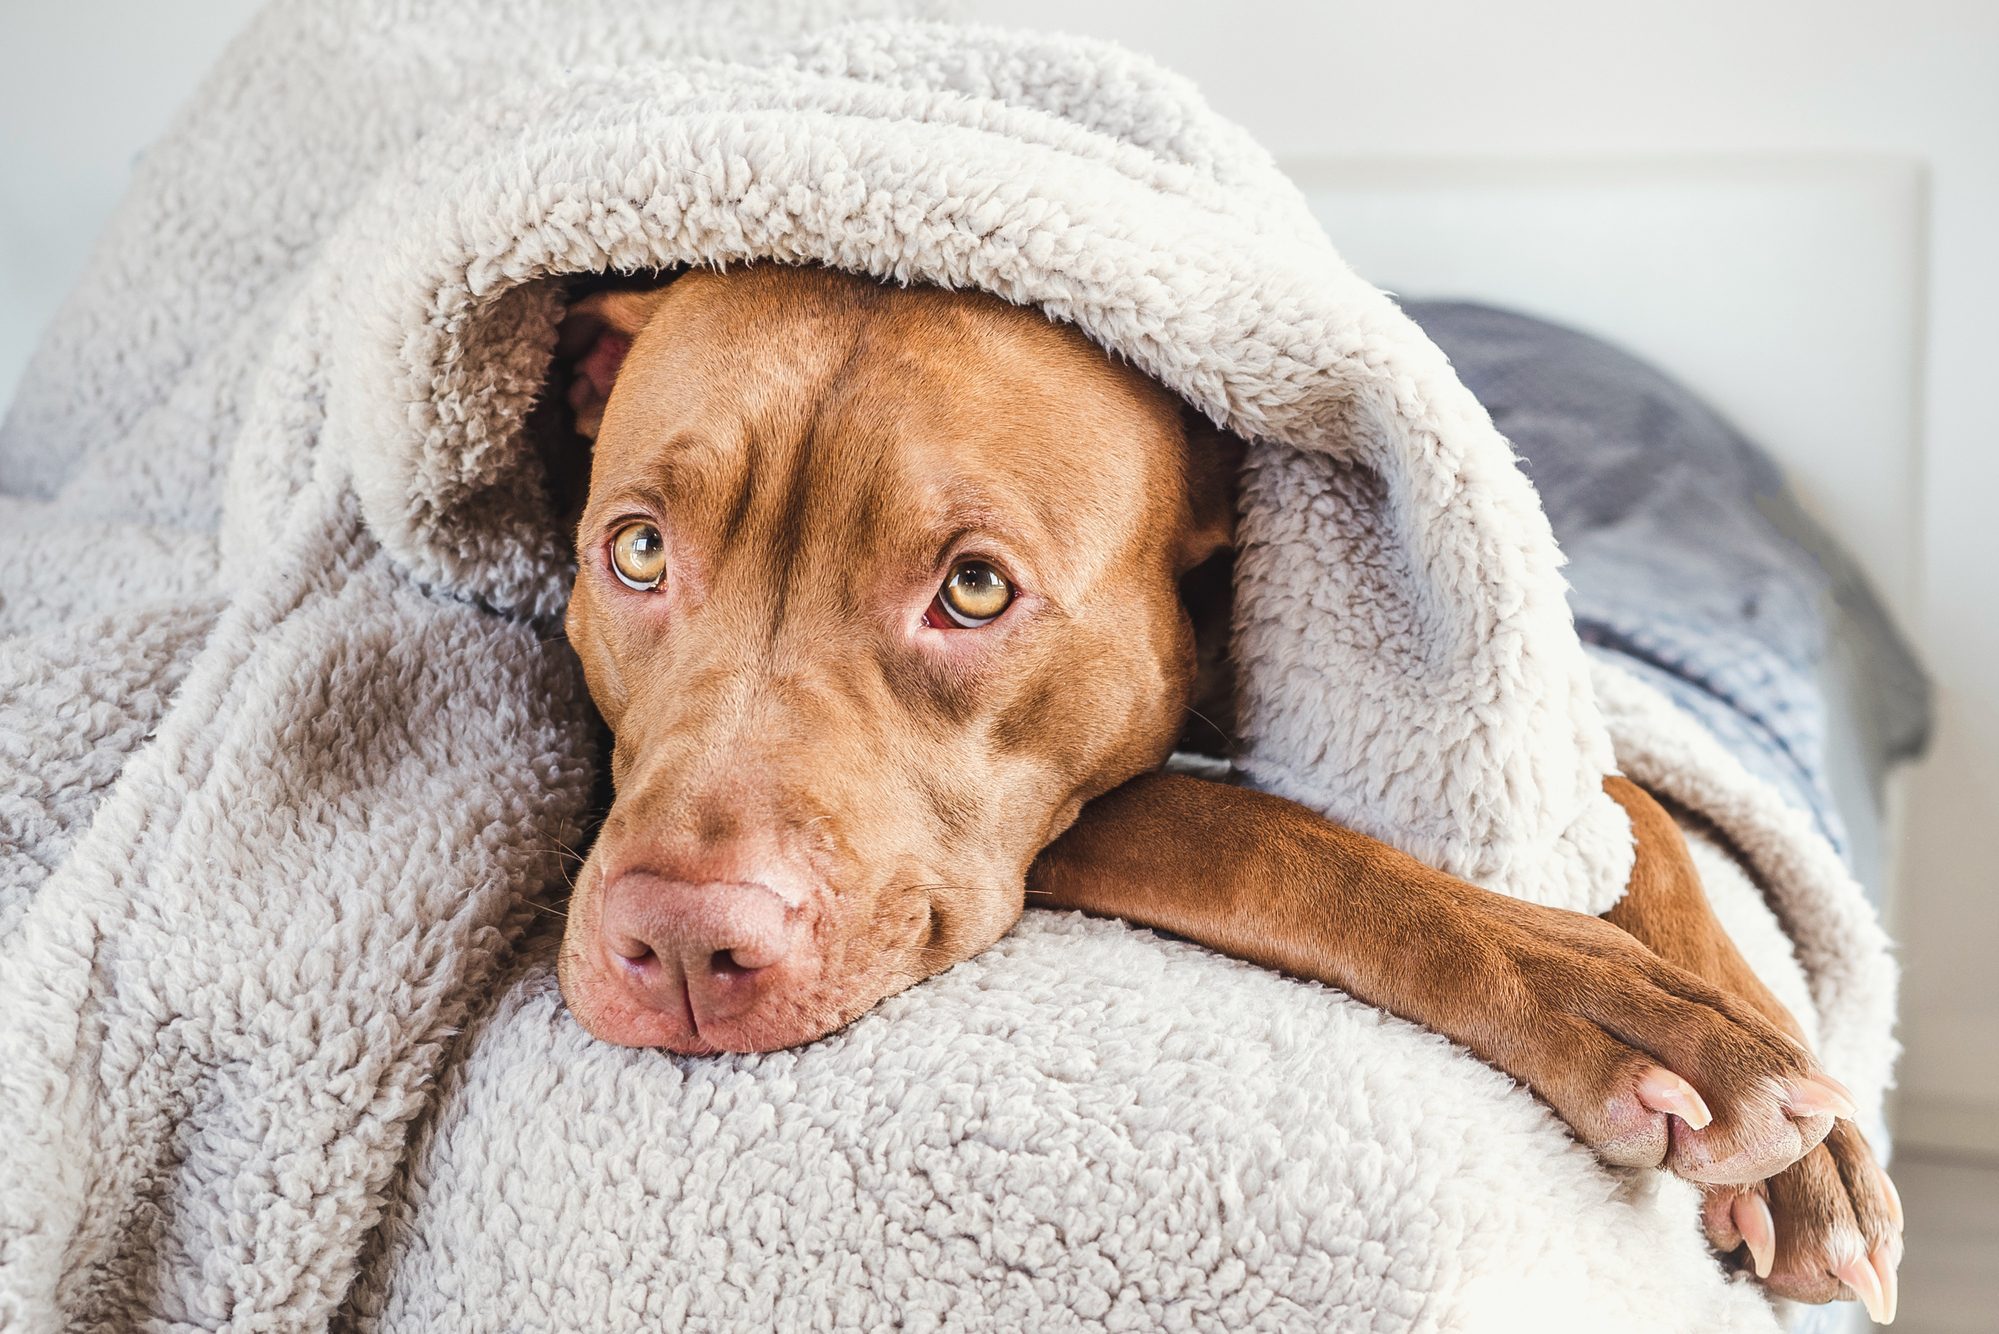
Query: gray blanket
x,y
1692,564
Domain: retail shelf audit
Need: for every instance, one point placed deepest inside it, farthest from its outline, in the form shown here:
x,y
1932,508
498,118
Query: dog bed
x,y
294,753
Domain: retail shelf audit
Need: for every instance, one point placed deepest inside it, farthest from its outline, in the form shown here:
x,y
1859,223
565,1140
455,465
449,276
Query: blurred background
x,y
1790,206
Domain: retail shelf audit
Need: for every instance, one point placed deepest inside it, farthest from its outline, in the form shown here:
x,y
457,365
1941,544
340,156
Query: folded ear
x,y
595,336
1214,461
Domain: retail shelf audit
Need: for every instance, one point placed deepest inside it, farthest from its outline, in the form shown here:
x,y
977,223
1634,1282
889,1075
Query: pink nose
x,y
705,953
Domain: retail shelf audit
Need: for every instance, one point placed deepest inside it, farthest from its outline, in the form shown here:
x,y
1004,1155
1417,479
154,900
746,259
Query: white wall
x,y
85,83
84,86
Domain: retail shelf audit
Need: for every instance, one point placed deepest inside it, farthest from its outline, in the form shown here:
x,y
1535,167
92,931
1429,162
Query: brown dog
x,y
883,594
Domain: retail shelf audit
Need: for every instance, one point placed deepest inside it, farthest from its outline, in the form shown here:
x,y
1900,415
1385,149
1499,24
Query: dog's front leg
x,y
1649,1064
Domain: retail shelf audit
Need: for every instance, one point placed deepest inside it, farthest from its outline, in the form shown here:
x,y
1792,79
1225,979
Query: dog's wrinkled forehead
x,y
789,403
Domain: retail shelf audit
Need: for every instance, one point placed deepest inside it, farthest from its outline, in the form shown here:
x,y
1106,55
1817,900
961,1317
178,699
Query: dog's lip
x,y
593,999
633,965
611,1018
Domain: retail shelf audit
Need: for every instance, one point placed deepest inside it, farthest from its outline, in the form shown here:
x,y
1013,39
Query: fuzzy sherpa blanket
x,y
290,750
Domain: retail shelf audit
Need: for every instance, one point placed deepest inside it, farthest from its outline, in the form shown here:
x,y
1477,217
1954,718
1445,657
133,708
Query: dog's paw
x,y
1829,1227
1653,1067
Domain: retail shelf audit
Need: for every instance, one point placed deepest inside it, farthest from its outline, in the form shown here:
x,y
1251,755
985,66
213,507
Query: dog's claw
x,y
1859,1275
1751,1214
1884,1261
1894,1196
1819,1095
1663,1091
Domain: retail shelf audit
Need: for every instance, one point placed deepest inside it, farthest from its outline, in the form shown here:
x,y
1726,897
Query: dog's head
x,y
877,586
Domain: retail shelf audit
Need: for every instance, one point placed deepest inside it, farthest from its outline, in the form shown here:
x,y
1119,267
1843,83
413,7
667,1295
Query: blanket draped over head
x,y
292,756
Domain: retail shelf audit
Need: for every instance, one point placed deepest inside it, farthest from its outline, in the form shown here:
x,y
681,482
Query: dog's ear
x,y
1214,459
595,336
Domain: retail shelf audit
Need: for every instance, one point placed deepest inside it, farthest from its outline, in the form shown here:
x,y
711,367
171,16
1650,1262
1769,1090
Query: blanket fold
x,y
293,753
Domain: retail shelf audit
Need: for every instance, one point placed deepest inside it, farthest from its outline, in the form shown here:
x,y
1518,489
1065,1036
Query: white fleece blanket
x,y
290,752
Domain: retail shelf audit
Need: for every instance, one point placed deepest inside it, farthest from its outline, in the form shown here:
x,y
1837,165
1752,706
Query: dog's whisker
x,y
1219,729
564,848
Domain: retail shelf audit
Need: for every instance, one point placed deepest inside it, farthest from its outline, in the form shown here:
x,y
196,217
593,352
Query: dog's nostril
x,y
631,949
724,964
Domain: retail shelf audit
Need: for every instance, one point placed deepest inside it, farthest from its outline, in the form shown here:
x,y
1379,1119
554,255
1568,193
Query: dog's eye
x,y
638,556
973,594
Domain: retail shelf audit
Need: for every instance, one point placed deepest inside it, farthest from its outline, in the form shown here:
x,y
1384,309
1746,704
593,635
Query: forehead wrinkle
x,y
818,524
754,402
645,493
1034,425
1065,539
932,477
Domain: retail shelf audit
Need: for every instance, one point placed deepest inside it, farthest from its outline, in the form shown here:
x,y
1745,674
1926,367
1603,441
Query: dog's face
x,y
876,587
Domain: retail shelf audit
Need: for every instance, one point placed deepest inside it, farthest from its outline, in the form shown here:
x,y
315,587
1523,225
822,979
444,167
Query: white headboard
x,y
1785,290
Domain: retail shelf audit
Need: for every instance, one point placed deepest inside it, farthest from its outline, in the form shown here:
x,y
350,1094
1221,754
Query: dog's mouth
x,y
607,1007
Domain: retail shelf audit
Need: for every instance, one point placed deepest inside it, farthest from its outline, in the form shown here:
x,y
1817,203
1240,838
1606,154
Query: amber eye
x,y
974,593
638,556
